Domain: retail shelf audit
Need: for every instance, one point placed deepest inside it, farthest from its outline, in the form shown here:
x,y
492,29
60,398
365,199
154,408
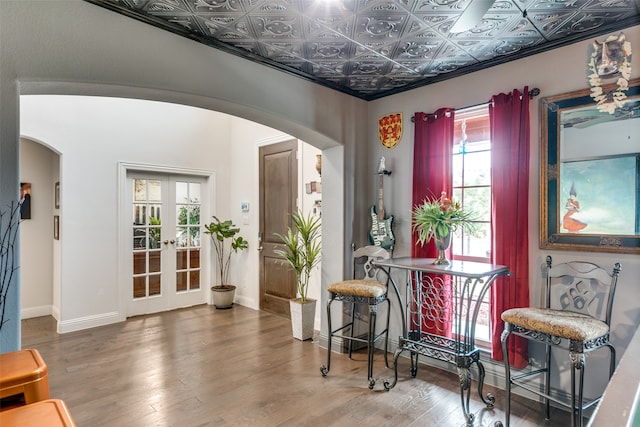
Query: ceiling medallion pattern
x,y
375,48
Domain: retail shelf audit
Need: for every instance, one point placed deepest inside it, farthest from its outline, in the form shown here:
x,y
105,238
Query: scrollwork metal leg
x,y
414,364
324,369
387,385
464,375
507,370
373,314
577,362
490,400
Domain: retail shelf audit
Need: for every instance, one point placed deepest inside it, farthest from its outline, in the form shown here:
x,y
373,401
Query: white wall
x,y
308,173
176,137
36,251
94,134
247,138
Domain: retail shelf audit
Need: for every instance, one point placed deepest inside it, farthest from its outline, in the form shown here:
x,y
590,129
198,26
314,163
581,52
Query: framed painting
x,y
589,173
25,200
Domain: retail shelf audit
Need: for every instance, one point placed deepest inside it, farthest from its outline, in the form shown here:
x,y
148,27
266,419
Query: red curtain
x,y
432,169
432,164
509,118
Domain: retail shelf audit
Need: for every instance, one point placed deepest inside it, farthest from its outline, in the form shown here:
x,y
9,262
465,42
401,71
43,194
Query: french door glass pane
x,y
181,260
154,190
154,284
181,281
194,258
139,287
147,237
139,262
187,236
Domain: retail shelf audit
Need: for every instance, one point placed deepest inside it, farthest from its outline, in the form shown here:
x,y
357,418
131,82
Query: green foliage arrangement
x,y
226,241
302,249
440,217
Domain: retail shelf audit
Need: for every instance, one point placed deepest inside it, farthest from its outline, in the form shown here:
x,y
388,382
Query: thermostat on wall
x,y
244,206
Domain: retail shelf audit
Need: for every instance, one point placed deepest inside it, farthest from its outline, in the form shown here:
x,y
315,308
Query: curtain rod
x,y
532,93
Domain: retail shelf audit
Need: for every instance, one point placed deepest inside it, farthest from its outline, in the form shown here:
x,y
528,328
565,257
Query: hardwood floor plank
x,y
203,367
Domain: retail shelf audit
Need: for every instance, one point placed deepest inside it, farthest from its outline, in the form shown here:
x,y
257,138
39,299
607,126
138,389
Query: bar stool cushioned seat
x,y
368,291
361,288
565,324
576,317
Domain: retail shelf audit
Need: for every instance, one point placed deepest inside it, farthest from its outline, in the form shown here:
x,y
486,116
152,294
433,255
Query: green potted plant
x,y
438,219
226,240
301,252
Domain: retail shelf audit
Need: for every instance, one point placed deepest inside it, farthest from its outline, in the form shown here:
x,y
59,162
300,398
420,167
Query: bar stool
x,y
49,413
367,291
24,371
576,317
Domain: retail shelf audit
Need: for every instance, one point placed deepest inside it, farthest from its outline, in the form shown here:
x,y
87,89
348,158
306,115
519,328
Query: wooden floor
x,y
240,367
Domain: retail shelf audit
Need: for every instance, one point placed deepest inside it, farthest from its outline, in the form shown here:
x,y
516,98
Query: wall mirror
x,y
589,166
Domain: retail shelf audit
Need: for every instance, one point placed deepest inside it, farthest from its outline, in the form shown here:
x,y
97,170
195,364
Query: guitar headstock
x,y
382,170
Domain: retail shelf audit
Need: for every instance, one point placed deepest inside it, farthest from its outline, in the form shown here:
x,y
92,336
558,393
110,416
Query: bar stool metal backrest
x,y
371,290
576,317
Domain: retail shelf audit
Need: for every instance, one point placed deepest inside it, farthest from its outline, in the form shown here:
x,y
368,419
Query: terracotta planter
x,y
302,318
223,296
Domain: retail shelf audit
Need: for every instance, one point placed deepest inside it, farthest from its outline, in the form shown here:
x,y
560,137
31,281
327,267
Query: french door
x,y
164,243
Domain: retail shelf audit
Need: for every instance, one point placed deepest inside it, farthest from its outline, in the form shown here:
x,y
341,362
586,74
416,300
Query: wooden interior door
x,y
278,195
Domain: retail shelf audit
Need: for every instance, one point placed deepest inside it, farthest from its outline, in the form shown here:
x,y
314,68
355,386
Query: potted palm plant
x,y
301,252
226,240
438,219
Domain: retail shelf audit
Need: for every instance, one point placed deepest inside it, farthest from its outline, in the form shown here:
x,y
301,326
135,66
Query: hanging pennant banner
x,y
390,129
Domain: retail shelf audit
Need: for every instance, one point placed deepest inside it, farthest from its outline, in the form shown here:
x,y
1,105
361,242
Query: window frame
x,y
481,112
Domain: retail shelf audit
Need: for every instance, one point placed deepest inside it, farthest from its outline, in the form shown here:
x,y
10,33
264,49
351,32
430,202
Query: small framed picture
x,y
25,200
56,227
56,195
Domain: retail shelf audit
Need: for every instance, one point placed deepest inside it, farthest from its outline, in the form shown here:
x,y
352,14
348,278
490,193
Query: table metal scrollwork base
x,y
442,306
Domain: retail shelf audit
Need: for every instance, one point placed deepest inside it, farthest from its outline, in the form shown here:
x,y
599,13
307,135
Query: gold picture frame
x,y
589,184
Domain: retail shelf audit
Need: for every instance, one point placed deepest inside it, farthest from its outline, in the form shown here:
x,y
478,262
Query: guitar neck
x,y
380,197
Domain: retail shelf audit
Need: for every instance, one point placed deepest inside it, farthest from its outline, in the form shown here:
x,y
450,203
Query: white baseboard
x,y
88,322
30,312
247,302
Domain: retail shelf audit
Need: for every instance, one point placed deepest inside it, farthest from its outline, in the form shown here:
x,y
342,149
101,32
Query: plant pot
x,y
442,244
223,296
302,318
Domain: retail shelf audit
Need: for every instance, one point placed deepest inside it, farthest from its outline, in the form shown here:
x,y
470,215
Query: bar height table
x,y
442,303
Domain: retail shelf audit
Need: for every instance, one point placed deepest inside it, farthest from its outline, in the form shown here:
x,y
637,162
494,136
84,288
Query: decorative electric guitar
x,y
381,233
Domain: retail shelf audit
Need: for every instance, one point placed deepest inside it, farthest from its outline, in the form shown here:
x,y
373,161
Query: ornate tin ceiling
x,y
374,48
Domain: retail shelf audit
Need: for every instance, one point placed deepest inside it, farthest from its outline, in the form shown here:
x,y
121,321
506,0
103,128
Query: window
x,y
472,187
